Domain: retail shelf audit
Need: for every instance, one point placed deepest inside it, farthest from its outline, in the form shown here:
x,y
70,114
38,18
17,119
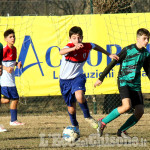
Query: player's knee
x,y
126,107
80,99
71,111
5,101
139,113
80,96
15,102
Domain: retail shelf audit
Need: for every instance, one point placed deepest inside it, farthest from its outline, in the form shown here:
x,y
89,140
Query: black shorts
x,y
135,96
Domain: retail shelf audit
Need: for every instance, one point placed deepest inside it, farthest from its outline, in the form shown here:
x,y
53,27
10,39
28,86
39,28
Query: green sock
x,y
129,123
113,115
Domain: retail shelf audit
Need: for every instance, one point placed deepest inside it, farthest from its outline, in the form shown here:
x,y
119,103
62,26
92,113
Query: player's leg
x,y
69,97
137,104
126,105
13,111
11,93
139,111
131,121
85,109
72,114
2,129
118,111
5,95
4,100
79,89
82,103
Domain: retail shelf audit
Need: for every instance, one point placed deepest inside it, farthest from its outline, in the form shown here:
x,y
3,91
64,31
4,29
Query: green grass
x,y
29,135
48,116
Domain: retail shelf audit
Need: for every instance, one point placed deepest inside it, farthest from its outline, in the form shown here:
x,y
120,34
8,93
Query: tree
x,y
113,6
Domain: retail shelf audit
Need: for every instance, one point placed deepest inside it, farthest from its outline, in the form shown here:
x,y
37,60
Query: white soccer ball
x,y
71,134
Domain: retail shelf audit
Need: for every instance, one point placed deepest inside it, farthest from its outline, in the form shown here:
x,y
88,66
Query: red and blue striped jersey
x,y
9,60
72,63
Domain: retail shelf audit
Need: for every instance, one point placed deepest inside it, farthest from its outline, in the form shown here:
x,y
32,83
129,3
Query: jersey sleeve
x,y
1,53
69,45
15,53
146,66
121,55
93,45
4,53
66,47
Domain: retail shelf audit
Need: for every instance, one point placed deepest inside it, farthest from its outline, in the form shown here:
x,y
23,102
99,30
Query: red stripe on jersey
x,y
9,53
80,55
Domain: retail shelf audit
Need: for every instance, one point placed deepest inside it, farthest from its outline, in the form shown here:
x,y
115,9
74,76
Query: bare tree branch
x,y
113,6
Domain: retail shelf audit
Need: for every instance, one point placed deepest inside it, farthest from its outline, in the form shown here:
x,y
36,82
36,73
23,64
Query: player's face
x,y
76,38
10,39
142,41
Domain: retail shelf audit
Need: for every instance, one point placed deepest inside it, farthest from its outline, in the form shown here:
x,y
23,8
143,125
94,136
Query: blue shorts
x,y
9,92
68,88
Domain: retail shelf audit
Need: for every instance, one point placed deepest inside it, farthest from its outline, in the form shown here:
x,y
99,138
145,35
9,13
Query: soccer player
x,y
8,86
132,58
72,79
2,129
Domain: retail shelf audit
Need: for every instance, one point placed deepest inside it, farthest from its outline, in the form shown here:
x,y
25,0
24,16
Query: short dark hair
x,y
143,31
75,30
7,32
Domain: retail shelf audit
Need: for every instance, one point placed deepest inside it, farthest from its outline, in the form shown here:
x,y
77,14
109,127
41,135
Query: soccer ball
x,y
71,134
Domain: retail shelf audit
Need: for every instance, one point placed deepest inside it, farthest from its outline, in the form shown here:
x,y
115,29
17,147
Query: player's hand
x,y
78,46
9,69
1,70
113,56
19,64
98,83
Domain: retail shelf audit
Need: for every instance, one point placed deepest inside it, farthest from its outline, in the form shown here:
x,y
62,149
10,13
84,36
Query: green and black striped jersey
x,y
131,60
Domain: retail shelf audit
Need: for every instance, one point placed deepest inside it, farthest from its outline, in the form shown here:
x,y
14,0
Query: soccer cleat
x,y
2,129
92,122
16,123
123,134
101,126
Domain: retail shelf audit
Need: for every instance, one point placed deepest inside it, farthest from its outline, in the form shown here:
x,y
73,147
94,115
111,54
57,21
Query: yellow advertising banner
x,y
39,39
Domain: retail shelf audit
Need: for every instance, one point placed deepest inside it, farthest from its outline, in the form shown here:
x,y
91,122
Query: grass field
x,y
40,132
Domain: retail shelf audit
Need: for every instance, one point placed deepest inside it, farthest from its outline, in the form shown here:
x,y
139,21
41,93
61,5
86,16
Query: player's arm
x,y
8,69
100,49
146,66
121,56
67,50
19,64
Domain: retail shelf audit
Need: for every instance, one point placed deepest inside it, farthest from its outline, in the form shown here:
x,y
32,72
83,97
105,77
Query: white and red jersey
x,y
9,60
72,63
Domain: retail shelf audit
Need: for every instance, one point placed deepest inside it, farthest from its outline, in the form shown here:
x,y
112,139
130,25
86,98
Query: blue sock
x,y
113,115
85,109
73,119
13,113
